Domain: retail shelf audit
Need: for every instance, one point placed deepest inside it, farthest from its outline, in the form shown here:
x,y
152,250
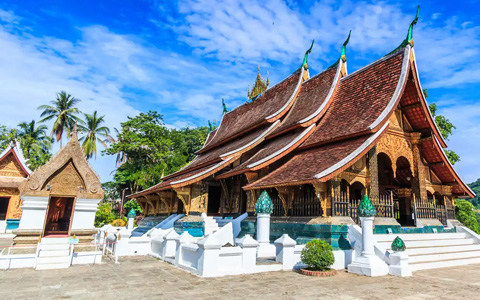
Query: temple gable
x,y
65,181
10,167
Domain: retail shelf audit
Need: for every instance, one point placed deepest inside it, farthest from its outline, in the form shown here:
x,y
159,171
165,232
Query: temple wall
x,y
34,210
84,213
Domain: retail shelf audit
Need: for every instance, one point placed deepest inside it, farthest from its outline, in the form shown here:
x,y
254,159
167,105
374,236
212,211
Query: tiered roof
x,y
319,126
13,166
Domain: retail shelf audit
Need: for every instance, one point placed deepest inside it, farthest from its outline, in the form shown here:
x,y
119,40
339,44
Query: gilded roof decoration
x,y
260,86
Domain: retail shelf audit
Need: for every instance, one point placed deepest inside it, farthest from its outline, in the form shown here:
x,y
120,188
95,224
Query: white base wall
x,y
84,213
34,210
17,261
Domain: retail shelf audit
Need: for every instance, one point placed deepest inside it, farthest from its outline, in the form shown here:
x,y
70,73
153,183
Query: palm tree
x,y
121,155
63,111
33,139
91,127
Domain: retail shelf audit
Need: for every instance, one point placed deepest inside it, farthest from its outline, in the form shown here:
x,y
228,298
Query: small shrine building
x,y
13,172
317,144
60,198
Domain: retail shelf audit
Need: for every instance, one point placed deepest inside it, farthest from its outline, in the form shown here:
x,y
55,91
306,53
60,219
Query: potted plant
x,y
318,256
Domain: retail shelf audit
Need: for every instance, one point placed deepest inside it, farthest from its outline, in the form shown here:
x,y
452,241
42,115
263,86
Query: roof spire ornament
x,y
259,86
343,56
410,29
225,110
305,58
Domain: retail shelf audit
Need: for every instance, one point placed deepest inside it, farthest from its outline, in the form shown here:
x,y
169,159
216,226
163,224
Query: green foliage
x,y
63,113
35,143
475,186
104,214
110,189
148,150
318,255
446,129
94,133
465,212
132,204
7,135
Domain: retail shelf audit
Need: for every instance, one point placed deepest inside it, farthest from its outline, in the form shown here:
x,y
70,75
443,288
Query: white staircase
x,y
53,253
210,225
435,250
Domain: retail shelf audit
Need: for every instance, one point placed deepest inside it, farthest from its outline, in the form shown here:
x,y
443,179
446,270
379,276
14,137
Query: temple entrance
x,y
180,207
214,195
4,207
59,215
396,183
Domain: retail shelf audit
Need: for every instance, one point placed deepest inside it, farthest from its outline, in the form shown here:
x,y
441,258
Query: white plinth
x,y
368,263
34,210
399,265
130,223
265,249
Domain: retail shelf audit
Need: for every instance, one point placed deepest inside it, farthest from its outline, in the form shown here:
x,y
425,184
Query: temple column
x,y
199,196
183,194
251,194
321,190
419,186
286,195
373,187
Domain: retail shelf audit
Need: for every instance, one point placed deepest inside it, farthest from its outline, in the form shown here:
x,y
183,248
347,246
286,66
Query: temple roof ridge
x,y
15,148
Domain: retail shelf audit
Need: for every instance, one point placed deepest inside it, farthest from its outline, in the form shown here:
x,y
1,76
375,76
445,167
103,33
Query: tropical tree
x,y
94,132
7,135
35,143
63,112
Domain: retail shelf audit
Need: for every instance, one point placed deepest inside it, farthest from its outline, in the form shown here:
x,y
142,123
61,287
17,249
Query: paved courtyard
x,y
148,278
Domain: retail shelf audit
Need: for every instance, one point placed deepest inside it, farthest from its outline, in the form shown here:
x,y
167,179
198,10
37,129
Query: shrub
x,y
118,223
132,204
465,212
104,215
318,255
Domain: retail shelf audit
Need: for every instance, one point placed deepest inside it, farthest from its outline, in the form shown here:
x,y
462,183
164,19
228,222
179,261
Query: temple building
x,y
13,172
60,198
317,144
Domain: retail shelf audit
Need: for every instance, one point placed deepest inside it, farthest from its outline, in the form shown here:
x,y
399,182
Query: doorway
x,y
4,207
214,195
59,215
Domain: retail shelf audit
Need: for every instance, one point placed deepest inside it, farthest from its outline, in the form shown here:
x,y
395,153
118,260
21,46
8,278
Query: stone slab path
x,y
147,278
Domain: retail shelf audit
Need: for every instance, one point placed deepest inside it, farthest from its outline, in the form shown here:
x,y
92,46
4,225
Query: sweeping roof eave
x,y
364,100
273,104
319,164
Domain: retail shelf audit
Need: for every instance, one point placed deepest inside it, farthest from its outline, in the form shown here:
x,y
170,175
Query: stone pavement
x,y
147,278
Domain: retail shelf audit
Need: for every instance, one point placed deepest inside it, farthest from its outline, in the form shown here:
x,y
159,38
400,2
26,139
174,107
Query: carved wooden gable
x,y
10,167
66,181
66,171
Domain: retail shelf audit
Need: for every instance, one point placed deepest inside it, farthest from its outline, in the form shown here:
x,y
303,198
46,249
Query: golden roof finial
x,y
259,86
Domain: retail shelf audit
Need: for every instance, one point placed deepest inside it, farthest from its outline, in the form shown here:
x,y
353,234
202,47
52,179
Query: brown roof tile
x,y
303,167
252,114
311,96
359,100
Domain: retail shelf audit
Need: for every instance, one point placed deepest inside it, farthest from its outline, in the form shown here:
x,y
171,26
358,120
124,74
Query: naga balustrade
x,y
343,206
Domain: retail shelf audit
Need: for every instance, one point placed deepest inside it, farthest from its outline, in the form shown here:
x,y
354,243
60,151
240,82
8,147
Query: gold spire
x,y
259,86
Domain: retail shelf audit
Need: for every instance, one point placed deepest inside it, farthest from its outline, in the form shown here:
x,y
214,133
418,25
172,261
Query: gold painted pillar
x,y
252,195
183,194
199,198
373,187
419,186
321,190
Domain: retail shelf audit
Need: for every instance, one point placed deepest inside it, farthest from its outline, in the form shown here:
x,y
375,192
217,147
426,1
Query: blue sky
x,y
182,58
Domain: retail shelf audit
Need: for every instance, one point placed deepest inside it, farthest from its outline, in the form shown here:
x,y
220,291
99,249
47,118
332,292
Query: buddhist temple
x,y
317,144
13,172
60,198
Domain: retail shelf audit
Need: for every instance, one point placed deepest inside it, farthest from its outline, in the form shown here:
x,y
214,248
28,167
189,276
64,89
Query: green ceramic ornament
x,y
264,204
398,245
366,208
132,213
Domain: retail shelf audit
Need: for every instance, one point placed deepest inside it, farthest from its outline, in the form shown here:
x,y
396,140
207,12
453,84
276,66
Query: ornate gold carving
x,y
184,195
321,190
65,181
10,167
395,147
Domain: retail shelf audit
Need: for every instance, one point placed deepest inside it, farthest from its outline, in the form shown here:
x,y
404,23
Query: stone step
x,y
445,249
52,266
444,263
442,256
431,243
54,241
51,253
49,247
53,260
419,236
